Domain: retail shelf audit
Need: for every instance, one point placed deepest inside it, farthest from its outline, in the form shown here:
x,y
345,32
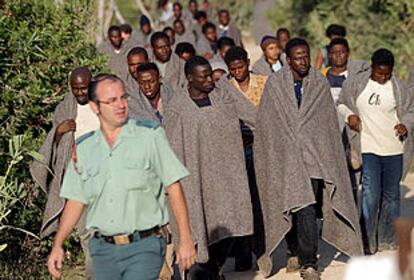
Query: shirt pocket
x,y
92,183
137,176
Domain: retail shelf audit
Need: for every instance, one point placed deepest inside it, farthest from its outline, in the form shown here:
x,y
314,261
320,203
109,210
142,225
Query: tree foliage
x,y
370,25
40,43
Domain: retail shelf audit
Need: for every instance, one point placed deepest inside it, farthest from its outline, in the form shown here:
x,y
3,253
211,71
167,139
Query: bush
x,y
41,42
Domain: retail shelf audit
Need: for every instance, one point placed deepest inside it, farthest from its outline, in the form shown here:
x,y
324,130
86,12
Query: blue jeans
x,y
381,176
139,260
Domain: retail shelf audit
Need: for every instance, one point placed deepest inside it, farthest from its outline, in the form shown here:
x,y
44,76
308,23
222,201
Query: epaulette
x,y
148,123
84,137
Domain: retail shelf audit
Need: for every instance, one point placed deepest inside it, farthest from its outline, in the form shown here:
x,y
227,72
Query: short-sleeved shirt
x,y
123,187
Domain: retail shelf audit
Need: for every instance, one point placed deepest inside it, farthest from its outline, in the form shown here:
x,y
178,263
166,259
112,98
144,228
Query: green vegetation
x,y
41,42
370,25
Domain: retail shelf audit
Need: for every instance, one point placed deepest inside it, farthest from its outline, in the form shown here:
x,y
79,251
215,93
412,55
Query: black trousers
x,y
303,237
218,253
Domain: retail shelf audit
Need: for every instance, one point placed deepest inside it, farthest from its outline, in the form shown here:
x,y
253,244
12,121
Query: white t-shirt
x,y
378,114
86,120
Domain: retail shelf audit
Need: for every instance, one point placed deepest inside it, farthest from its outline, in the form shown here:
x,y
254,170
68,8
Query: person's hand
x,y
66,126
55,261
354,122
186,254
401,130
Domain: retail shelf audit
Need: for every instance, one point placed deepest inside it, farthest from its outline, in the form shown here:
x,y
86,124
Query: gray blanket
x,y
262,67
140,107
174,72
354,86
291,147
139,39
235,33
117,62
48,173
208,141
203,46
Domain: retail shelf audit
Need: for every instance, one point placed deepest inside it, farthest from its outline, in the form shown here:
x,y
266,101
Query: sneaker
x,y
309,273
292,264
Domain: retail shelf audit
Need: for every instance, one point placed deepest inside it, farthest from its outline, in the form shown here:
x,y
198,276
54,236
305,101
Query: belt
x,y
123,239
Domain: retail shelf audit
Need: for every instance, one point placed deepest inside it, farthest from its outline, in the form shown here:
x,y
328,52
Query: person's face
x,y
112,104
149,83
272,51
177,11
115,38
224,18
217,74
299,60
224,50
179,28
134,61
193,7
239,69
202,21
338,55
202,78
79,87
186,56
211,35
162,50
146,29
381,73
283,39
171,36
125,36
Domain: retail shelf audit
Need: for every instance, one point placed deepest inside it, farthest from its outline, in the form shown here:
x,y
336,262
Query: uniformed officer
x,y
120,174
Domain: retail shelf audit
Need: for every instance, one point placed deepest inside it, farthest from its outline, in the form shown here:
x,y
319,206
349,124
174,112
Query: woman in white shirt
x,y
379,111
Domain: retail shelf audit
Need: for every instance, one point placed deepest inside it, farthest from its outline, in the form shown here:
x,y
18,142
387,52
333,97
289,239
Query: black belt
x,y
123,239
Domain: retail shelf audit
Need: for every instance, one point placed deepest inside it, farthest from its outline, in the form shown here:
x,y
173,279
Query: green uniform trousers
x,y
139,260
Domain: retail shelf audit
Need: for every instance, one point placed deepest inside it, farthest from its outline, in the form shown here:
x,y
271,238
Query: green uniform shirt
x,y
123,187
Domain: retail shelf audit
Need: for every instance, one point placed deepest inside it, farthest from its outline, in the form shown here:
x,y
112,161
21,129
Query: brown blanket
x,y
208,141
291,147
48,173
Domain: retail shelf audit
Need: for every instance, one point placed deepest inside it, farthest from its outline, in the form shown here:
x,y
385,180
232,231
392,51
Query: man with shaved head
x,y
72,118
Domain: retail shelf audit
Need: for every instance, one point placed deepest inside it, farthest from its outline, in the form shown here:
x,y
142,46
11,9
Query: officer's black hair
x,y
93,85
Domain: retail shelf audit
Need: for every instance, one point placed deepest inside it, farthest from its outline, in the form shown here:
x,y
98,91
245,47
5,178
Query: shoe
x,y
292,264
309,273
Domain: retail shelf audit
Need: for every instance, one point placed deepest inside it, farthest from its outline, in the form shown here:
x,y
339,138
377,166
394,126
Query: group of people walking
x,y
188,153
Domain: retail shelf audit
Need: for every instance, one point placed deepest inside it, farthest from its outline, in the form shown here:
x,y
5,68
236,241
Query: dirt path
x,y
332,263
